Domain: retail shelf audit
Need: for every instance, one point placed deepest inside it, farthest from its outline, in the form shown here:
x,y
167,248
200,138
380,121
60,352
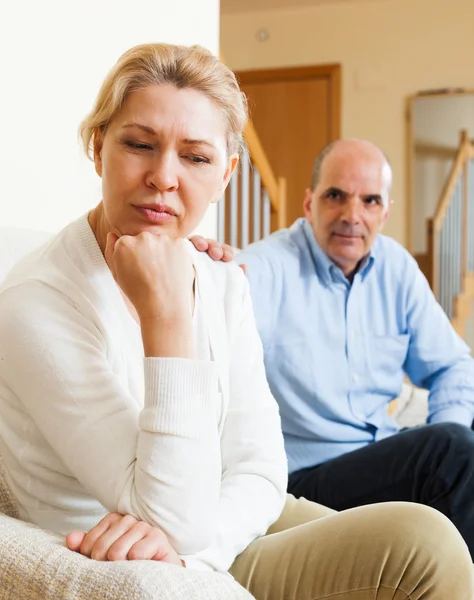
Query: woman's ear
x,y
231,166
98,143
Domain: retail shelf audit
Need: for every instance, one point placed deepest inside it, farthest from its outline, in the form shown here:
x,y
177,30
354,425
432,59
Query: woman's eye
x,y
138,146
199,159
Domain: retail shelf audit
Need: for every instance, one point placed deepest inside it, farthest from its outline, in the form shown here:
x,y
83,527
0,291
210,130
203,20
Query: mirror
x,y
435,122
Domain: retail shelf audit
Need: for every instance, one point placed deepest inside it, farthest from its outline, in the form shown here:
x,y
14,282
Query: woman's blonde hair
x,y
184,67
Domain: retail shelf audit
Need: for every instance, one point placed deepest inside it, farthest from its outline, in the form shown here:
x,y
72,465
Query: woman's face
x,y
162,160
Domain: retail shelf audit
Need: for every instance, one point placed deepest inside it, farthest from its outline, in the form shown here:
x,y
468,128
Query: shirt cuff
x,y
453,414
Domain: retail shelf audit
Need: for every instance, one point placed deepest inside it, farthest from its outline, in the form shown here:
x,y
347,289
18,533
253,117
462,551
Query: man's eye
x,y
372,200
334,195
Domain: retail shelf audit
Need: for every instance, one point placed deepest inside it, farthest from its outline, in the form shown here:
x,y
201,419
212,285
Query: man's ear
x,y
98,143
231,166
307,205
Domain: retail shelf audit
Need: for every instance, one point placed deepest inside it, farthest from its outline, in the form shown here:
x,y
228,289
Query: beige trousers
x,y
389,551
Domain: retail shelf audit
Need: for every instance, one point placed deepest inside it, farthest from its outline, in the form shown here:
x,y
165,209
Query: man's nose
x,y
352,211
163,173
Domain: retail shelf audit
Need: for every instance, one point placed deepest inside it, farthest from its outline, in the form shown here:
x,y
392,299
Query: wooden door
x,y
296,112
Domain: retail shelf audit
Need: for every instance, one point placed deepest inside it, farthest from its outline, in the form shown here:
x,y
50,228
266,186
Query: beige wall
x,y
388,49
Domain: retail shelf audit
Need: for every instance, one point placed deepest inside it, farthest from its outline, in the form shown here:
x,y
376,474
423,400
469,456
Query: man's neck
x,y
359,266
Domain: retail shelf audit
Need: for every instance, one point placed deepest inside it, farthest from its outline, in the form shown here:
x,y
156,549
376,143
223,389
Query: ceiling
x,y
240,6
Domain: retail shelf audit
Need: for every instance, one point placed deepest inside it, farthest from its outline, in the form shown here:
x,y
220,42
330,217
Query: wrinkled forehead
x,y
166,109
356,174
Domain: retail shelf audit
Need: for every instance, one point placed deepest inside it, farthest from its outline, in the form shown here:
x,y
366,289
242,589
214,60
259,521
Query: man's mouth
x,y
349,236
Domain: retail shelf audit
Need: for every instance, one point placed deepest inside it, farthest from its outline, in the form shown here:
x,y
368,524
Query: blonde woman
x,y
132,379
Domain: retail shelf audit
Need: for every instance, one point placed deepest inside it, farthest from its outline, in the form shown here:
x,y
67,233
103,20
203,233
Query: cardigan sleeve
x,y
161,464
255,471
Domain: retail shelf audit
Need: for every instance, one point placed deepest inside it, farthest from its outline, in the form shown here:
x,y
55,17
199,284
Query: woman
x,y
132,378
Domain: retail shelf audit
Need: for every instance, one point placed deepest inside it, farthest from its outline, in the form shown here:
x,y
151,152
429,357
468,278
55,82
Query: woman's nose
x,y
163,174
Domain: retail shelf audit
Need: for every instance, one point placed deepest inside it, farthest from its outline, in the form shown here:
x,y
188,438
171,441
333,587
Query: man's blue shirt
x,y
336,352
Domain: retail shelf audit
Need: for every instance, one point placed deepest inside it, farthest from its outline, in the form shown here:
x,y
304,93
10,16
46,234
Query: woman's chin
x,y
168,229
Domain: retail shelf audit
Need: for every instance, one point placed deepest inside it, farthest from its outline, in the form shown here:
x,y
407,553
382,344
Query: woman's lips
x,y
158,213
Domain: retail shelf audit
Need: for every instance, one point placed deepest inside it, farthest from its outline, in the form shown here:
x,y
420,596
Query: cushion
x,y
411,407
36,565
7,501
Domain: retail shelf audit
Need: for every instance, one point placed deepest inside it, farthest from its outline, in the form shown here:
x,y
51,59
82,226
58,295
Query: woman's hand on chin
x,y
155,272
123,537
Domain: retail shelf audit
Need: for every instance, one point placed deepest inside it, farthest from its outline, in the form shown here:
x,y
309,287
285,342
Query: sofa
x,y
36,565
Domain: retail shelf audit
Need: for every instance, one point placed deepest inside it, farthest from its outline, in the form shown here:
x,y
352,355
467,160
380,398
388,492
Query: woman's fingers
x,y
74,540
102,545
153,546
123,537
121,548
97,533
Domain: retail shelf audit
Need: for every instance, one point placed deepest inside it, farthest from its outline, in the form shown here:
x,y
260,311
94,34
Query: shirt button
x,y
355,378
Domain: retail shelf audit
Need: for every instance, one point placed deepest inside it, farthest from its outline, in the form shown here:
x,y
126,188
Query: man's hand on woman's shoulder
x,y
216,251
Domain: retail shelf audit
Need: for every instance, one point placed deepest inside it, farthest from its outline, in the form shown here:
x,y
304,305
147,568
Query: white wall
x,y
54,55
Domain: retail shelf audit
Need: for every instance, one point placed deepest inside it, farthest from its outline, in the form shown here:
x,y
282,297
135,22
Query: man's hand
x,y
215,250
119,537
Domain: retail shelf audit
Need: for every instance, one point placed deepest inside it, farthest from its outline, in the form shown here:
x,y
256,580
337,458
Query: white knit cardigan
x,y
88,425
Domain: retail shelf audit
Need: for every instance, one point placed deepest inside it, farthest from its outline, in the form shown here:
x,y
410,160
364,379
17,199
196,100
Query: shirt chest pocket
x,y
388,352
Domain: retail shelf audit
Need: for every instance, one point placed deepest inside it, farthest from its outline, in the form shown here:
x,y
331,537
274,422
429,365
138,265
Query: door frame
x,y
332,72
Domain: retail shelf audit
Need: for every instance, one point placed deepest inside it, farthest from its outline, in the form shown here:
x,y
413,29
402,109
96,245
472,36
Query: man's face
x,y
350,203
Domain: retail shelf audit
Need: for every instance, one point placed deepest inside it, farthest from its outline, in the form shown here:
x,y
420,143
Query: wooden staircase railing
x,y
449,264
254,204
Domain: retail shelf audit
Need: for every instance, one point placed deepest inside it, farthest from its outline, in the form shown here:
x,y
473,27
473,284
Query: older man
x,y
344,313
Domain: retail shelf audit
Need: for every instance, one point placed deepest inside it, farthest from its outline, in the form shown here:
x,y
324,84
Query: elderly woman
x,y
132,378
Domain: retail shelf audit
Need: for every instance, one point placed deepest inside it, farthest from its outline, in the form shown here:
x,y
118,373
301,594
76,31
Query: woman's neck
x,y
99,225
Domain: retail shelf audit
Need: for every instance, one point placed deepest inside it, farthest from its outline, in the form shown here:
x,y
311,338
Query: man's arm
x,y
438,359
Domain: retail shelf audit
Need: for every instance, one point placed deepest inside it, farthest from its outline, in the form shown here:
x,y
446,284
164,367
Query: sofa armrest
x,y
36,564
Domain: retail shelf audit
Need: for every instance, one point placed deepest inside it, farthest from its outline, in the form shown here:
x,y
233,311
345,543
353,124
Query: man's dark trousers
x,y
432,465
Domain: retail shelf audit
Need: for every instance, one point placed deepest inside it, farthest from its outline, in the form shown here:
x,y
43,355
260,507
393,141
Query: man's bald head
x,y
353,146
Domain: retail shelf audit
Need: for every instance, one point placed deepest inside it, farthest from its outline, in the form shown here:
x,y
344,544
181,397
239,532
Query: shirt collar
x,y
327,270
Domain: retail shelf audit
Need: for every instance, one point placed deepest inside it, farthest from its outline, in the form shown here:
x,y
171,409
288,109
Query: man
x,y
344,313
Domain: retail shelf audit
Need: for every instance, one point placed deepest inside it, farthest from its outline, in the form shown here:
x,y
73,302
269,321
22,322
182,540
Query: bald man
x,y
344,313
